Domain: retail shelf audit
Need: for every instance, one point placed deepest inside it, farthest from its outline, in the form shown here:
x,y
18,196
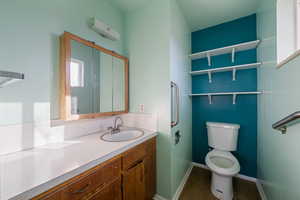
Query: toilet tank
x,y
222,136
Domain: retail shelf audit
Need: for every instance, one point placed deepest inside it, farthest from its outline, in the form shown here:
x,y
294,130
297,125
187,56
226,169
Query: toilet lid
x,y
223,163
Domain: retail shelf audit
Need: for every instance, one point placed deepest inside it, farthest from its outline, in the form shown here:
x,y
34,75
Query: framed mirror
x,y
93,80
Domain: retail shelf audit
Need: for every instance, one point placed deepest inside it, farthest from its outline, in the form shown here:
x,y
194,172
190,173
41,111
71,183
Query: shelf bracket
x,y
233,74
209,77
209,99
232,55
234,98
208,59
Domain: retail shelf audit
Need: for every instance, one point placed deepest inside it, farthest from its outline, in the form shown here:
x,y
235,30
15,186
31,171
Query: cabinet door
x,y
150,177
150,170
134,183
110,192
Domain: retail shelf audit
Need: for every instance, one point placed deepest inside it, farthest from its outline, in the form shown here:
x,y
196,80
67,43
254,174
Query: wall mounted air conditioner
x,y
104,30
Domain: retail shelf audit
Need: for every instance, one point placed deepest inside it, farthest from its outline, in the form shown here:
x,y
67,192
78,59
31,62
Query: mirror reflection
x,y
97,81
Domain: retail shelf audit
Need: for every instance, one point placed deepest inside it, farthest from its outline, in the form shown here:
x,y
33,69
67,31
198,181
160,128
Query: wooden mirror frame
x,y
65,89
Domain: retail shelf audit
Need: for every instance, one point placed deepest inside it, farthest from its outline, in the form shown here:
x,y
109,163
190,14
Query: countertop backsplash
x,y
20,137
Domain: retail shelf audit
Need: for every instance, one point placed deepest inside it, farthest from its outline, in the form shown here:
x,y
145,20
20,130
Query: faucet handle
x,y
119,125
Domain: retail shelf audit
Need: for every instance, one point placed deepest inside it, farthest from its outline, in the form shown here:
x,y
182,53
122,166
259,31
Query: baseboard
x,y
200,165
188,172
180,187
182,183
244,177
241,176
261,190
158,197
247,178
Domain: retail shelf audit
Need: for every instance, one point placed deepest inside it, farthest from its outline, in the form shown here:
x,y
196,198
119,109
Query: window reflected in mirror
x,y
77,73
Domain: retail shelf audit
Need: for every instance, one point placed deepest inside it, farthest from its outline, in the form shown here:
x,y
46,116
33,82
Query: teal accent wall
x,y
278,155
29,40
244,112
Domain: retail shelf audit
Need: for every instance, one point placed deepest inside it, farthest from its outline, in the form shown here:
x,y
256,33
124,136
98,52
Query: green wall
x,y
158,44
180,48
278,163
147,32
30,43
156,41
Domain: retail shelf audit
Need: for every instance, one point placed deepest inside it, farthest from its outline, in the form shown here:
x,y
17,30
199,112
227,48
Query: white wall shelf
x,y
224,69
224,50
7,77
234,95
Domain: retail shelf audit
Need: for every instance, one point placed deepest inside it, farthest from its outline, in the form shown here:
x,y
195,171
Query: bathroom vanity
x,y
82,168
128,176
94,83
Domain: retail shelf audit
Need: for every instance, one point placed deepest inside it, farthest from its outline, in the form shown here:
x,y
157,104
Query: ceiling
x,y
205,13
129,5
201,13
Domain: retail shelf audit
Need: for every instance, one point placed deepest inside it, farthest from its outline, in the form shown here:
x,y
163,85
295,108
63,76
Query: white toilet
x,y
223,138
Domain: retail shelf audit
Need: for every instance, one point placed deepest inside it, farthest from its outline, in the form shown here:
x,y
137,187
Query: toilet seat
x,y
222,162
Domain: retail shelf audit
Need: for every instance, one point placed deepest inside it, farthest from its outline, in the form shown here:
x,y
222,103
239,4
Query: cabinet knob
x,y
81,190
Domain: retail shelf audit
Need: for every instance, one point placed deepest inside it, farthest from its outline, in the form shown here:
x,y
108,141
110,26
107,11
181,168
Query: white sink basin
x,y
123,135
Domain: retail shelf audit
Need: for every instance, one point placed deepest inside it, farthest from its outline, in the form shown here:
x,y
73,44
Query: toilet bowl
x,y
223,166
222,137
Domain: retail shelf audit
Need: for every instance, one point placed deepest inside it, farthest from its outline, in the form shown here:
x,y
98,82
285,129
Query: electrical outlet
x,y
141,108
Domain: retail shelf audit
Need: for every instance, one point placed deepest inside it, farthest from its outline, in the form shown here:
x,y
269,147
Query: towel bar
x,y
176,102
290,120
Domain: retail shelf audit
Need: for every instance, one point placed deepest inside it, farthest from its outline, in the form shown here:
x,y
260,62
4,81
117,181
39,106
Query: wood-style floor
x,y
198,187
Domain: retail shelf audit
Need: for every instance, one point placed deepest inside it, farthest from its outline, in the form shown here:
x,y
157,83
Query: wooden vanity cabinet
x,y
52,196
139,172
134,182
150,170
111,192
128,176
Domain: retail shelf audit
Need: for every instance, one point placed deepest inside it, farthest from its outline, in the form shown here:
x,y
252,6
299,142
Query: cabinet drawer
x,y
109,192
106,174
99,178
134,155
52,196
78,190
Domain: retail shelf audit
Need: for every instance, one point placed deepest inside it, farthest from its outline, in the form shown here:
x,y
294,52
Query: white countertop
x,y
26,174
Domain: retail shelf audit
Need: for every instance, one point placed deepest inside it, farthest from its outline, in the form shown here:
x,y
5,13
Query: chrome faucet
x,y
116,128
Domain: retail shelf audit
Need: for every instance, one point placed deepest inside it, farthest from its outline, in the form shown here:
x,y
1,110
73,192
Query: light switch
x,y
142,108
